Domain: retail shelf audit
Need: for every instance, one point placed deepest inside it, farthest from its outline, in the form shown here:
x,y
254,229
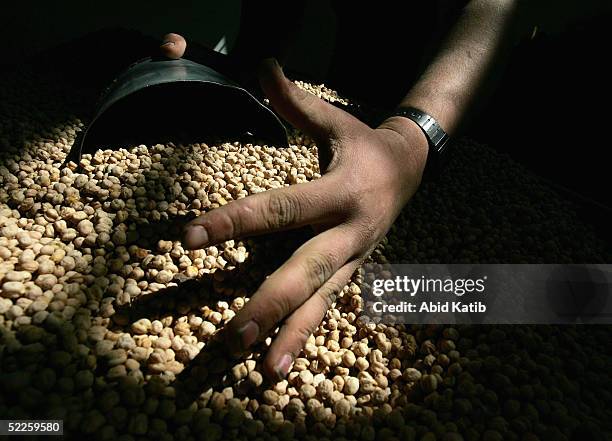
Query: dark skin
x,y
353,204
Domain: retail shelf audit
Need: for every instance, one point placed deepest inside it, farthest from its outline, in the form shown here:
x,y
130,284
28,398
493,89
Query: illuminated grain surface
x,y
109,324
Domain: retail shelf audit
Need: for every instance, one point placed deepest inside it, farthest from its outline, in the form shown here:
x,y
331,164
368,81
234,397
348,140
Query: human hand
x,y
368,176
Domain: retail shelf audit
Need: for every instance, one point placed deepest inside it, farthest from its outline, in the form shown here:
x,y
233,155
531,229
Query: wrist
x,y
411,136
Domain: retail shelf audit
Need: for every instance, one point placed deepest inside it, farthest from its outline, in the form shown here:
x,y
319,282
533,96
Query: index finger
x,y
273,210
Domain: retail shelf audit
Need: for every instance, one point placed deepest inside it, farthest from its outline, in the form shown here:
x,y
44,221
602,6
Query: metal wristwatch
x,y
436,136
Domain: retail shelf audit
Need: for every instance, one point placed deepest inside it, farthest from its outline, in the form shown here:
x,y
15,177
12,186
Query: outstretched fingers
x,y
303,322
290,286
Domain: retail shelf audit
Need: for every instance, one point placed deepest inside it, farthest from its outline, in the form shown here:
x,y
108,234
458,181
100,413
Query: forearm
x,y
453,79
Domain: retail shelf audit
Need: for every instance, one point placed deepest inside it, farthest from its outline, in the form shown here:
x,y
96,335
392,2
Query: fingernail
x,y
196,236
283,366
166,43
248,334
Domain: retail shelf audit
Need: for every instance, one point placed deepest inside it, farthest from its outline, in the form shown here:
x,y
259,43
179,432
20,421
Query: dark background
x,y
548,109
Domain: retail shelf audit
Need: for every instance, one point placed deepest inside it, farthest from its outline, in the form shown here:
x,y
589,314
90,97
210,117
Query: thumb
x,y
173,46
303,110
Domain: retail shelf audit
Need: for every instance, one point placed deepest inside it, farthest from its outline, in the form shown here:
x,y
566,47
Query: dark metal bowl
x,y
159,99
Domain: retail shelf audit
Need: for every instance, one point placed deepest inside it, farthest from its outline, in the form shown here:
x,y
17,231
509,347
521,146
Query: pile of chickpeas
x,y
109,324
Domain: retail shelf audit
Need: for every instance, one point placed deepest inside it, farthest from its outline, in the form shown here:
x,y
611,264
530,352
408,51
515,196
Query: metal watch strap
x,y
436,136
